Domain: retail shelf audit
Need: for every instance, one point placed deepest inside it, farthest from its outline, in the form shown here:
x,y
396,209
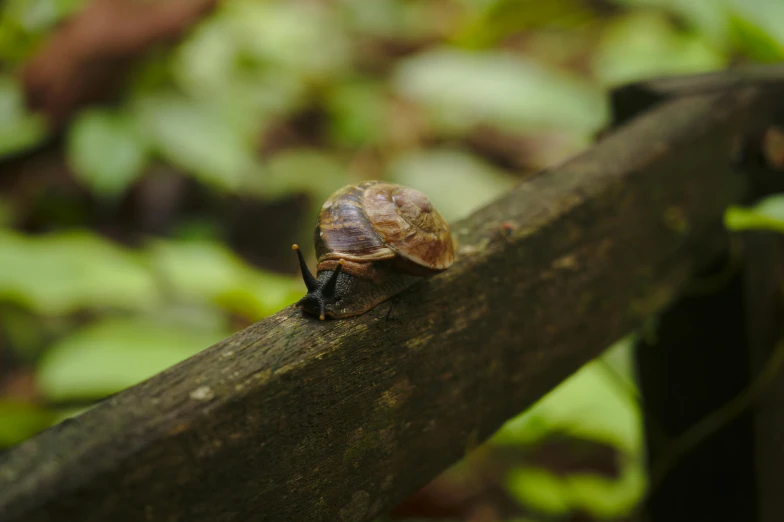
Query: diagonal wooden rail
x,y
296,419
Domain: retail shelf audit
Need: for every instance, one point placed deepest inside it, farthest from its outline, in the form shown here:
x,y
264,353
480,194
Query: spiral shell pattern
x,y
375,220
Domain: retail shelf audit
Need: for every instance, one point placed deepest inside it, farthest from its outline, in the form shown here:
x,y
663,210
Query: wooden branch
x,y
296,419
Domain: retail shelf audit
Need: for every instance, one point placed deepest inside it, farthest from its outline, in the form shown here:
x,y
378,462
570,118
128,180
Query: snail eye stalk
x,y
319,294
310,281
329,287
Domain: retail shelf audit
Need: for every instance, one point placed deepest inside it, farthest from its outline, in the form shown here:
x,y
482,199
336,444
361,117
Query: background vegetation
x,y
157,160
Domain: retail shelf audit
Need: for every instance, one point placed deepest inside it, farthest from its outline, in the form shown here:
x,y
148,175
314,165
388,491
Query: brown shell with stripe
x,y
378,221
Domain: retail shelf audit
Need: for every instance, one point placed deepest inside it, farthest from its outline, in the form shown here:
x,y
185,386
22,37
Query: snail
x,y
373,240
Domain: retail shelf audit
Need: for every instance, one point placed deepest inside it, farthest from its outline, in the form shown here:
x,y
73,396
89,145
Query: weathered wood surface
x,y
695,362
710,374
713,385
764,298
296,419
630,100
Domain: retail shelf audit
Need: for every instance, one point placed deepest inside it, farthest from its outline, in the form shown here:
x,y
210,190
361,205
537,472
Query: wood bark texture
x,y
764,298
296,419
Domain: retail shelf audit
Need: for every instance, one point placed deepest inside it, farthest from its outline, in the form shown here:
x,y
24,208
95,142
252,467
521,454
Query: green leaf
x,y
61,273
20,421
294,171
206,140
708,18
456,181
593,404
359,111
106,151
757,29
587,405
39,15
19,130
502,18
24,23
539,490
754,41
645,44
204,271
205,63
390,18
212,67
460,89
608,498
768,214
305,38
116,353
542,491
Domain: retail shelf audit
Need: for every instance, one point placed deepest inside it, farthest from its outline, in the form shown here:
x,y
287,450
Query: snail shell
x,y
373,240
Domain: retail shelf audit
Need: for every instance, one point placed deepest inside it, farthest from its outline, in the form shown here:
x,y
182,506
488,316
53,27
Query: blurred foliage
x,y
459,89
106,152
265,101
112,354
51,275
767,214
23,23
596,403
644,44
20,418
457,182
19,130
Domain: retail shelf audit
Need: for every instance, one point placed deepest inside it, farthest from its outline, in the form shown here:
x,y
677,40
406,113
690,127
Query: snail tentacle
x,y
310,281
328,288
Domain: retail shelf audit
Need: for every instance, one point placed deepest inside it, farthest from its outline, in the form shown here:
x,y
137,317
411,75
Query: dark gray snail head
x,y
323,292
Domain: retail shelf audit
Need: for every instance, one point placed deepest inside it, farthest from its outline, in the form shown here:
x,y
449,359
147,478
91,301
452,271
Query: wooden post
x,y
692,362
765,319
708,367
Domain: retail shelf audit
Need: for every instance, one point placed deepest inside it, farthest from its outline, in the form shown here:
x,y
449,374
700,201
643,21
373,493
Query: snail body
x,y
373,240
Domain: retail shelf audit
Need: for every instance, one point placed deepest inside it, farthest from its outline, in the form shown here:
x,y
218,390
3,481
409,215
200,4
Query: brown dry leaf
x,y
20,385
87,59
